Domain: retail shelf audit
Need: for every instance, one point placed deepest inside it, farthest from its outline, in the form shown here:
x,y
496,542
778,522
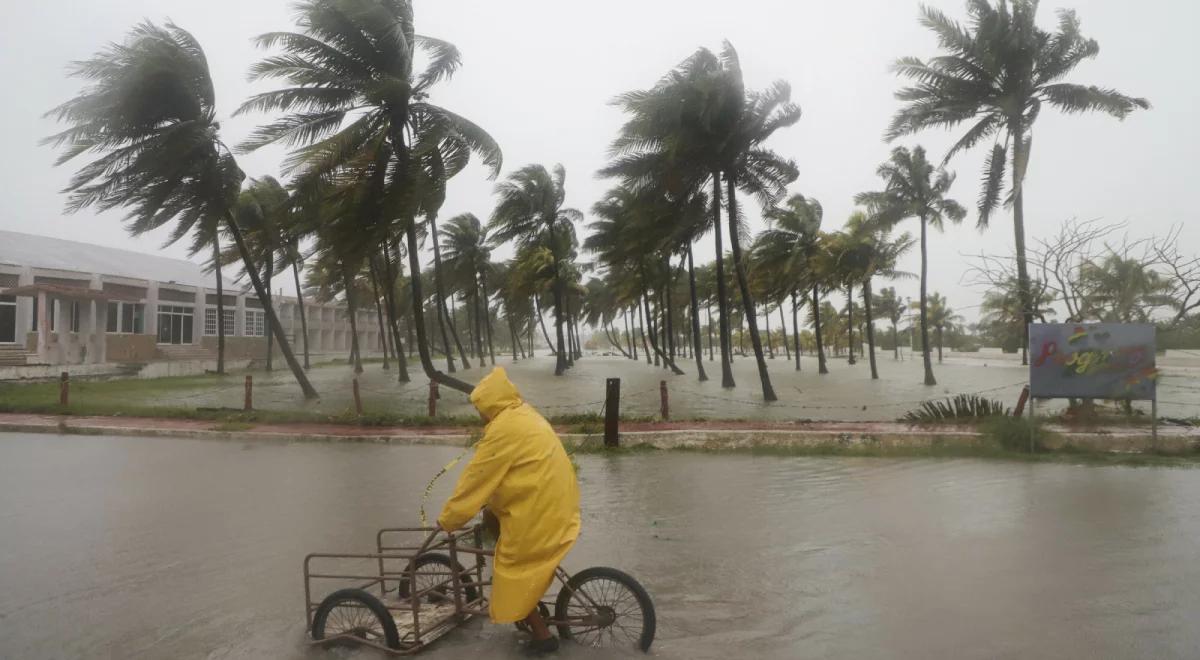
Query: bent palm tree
x,y
998,72
531,203
150,117
915,189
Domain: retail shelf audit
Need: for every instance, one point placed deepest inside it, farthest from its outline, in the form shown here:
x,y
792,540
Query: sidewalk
x,y
716,435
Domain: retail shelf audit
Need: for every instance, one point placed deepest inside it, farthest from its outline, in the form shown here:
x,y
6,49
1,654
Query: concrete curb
x,y
1121,441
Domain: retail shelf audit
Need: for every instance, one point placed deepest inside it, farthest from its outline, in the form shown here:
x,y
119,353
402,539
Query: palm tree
x,y
149,115
791,246
1122,290
998,72
914,188
868,251
1002,311
531,204
358,101
469,259
892,308
941,317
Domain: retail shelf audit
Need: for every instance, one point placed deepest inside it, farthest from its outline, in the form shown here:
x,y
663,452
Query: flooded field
x,y
847,393
164,548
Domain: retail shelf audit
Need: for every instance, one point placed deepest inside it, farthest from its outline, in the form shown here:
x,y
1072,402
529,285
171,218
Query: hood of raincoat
x,y
495,394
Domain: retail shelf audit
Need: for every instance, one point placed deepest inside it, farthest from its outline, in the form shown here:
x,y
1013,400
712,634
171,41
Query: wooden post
x,y
248,404
1019,411
612,412
64,389
433,397
357,399
666,406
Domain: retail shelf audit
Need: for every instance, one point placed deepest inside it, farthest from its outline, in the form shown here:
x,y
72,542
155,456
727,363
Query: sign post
x,y
1112,361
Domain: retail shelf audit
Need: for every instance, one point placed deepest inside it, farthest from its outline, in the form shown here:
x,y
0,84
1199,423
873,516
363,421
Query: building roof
x,y
21,249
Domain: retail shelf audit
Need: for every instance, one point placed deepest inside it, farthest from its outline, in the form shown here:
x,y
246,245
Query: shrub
x,y
963,406
1016,433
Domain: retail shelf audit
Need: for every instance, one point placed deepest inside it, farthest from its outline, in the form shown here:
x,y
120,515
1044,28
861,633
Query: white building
x,y
63,302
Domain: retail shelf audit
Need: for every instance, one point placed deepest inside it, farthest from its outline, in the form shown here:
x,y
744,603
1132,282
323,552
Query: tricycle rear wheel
x,y
356,613
605,608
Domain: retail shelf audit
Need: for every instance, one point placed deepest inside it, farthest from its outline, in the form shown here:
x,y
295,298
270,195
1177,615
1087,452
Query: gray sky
x,y
538,74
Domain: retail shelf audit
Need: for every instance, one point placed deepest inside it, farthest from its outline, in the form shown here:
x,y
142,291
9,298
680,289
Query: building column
x,y
96,352
24,308
43,326
150,322
239,316
198,311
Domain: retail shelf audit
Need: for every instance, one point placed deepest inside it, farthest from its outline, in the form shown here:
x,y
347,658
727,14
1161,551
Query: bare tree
x,y
1182,271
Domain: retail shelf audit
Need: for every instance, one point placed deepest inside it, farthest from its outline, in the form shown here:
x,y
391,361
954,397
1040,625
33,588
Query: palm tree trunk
x,y
560,363
614,342
300,303
642,322
462,353
929,379
670,311
270,266
722,294
390,273
939,333
816,307
1017,131
542,323
379,316
895,342
796,328
697,350
478,325
767,327
414,265
783,330
260,290
512,332
220,302
708,315
658,352
739,269
443,314
850,321
487,319
353,311
629,335
870,329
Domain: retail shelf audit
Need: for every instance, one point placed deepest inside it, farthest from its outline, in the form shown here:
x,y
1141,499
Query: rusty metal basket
x,y
408,593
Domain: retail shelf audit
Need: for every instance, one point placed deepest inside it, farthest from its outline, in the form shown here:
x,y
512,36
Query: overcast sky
x,y
538,74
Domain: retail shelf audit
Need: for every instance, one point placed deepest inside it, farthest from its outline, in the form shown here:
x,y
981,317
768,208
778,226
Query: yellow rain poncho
x,y
522,473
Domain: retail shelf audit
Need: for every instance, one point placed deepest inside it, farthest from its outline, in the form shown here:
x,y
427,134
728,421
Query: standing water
x,y
164,548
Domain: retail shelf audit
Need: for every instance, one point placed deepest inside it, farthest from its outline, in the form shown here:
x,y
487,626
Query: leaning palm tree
x,y
354,92
998,72
149,115
531,204
790,246
915,189
892,308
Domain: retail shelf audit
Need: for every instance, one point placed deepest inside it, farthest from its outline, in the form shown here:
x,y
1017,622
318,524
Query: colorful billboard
x,y
1092,361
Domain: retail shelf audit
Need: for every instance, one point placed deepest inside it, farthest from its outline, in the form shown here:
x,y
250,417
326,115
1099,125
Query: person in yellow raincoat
x,y
521,472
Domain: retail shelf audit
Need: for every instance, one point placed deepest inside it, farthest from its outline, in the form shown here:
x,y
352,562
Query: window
x,y
174,324
33,326
53,305
75,316
210,322
128,318
256,325
8,319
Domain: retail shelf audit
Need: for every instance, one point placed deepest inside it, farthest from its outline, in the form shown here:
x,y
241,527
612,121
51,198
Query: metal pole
x,y
1032,405
612,412
1154,421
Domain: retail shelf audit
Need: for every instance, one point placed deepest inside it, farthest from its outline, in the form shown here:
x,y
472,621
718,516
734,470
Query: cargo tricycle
x,y
408,593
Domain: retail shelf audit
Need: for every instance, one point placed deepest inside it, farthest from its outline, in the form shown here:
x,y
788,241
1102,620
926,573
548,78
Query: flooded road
x,y
165,548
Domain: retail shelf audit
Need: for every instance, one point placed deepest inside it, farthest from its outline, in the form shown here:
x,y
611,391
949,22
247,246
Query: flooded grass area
x,y
847,393
139,547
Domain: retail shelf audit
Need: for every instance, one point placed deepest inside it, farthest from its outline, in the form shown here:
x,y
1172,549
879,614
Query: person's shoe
x,y
539,647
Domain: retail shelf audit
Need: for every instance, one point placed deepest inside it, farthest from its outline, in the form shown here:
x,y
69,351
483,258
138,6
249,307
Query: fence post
x,y
1019,411
433,397
666,404
612,412
64,389
248,404
357,399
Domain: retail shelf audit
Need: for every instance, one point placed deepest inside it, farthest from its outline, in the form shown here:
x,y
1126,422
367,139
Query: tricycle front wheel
x,y
605,608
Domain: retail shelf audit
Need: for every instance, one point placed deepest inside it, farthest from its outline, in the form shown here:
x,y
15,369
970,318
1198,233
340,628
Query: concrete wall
x,y
129,348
